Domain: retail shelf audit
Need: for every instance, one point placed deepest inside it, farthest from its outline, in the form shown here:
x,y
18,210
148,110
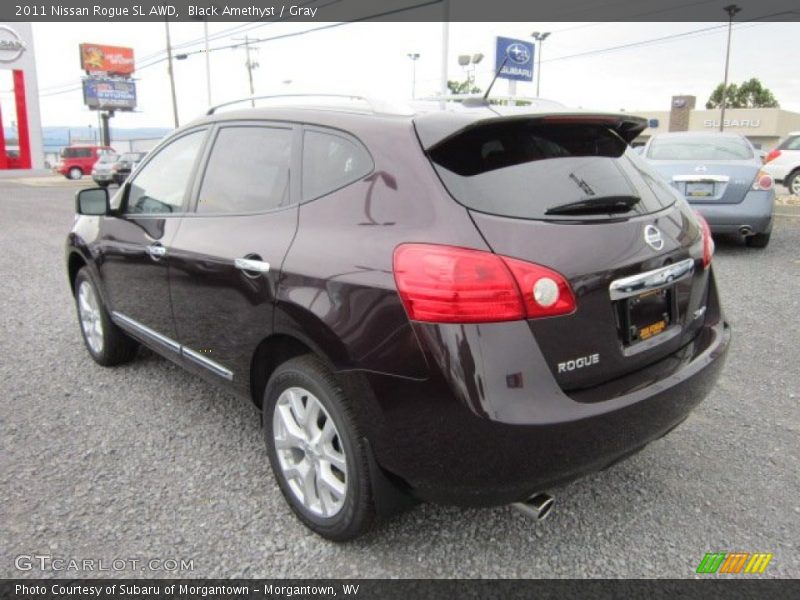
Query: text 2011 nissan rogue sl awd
x,y
465,306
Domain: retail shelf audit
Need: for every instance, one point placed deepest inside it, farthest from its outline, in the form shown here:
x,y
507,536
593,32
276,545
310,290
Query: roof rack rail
x,y
375,105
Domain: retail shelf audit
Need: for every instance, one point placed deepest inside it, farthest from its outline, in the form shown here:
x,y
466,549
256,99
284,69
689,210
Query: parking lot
x,y
145,461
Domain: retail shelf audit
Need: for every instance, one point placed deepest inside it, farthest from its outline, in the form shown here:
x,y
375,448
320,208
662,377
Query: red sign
x,y
107,59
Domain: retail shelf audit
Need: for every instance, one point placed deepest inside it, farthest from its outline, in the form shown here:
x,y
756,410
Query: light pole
x,y
539,37
731,9
171,76
414,56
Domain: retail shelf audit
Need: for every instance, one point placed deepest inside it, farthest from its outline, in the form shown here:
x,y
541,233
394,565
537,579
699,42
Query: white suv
x,y
783,163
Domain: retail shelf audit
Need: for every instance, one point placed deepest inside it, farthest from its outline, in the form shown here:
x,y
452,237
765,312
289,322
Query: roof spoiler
x,y
435,128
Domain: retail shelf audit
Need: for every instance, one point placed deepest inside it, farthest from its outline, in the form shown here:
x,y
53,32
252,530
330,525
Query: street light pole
x,y
539,37
414,56
731,9
171,76
208,61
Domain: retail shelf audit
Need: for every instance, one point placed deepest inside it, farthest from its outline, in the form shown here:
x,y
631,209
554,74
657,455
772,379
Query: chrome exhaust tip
x,y
536,507
746,230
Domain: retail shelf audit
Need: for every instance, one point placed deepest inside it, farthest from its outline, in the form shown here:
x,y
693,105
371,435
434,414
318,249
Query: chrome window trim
x,y
650,280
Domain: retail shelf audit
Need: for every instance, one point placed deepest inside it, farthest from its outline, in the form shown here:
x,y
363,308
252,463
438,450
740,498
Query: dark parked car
x,y
469,306
722,177
126,163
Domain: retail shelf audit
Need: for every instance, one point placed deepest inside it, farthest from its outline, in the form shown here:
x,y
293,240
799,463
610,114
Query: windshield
x,y
699,148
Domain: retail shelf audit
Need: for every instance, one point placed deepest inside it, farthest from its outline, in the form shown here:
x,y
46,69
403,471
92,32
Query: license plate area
x,y
645,316
700,189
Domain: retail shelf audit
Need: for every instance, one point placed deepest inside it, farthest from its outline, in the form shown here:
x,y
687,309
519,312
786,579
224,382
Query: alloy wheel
x,y
90,316
309,451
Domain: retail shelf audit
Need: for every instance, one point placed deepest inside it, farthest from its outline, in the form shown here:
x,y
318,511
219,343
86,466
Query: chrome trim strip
x,y
209,364
651,280
702,178
139,328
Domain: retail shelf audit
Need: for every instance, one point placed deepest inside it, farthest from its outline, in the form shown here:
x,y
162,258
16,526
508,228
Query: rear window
x,y
522,169
699,148
76,153
131,157
790,143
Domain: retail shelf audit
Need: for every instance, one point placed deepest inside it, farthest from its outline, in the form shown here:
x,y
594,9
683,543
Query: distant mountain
x,y
61,136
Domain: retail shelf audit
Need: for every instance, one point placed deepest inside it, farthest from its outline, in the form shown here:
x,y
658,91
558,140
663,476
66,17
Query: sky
x,y
371,59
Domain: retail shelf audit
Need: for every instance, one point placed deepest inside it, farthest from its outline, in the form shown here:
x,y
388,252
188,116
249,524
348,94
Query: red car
x,y
78,160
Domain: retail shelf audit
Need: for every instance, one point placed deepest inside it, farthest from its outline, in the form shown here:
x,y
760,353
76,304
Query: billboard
x,y
99,58
518,56
109,94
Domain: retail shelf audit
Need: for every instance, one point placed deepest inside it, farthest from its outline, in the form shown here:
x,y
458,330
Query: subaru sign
x,y
518,57
109,94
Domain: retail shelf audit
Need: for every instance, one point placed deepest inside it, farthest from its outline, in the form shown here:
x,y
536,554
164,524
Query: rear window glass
x,y
522,169
131,157
791,143
699,148
76,153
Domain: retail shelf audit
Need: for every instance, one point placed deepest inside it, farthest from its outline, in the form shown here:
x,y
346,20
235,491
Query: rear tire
x,y
74,173
759,240
316,451
793,183
107,344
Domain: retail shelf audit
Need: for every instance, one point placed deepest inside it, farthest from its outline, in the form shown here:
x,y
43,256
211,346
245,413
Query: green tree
x,y
462,87
750,94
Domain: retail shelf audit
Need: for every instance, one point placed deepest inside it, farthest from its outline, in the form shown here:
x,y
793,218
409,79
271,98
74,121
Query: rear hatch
x,y
566,192
706,168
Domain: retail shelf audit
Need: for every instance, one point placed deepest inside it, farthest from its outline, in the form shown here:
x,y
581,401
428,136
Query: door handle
x,y
156,251
251,265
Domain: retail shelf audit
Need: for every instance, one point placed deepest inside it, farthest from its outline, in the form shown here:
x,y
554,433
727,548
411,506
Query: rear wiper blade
x,y
593,206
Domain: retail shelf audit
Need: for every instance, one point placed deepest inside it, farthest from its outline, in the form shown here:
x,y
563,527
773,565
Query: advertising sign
x,y
519,65
109,94
98,58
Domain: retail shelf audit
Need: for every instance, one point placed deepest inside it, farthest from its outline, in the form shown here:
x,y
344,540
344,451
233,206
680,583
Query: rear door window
x,y
330,162
248,171
524,168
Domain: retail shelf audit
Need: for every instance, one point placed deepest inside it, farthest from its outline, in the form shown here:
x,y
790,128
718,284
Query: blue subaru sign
x,y
518,56
105,94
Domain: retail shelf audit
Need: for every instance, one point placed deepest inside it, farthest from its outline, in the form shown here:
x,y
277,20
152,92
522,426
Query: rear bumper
x,y
755,211
483,440
102,177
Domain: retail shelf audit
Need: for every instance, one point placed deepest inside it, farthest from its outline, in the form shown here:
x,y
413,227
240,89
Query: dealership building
x,y
20,123
764,127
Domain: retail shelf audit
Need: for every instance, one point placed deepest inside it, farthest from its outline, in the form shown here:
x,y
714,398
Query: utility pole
x,y
731,9
208,61
250,64
171,76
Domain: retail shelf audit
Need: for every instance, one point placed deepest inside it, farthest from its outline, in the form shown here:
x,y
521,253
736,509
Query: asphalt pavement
x,y
146,462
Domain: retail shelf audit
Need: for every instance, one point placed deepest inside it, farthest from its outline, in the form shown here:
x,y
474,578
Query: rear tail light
x,y
763,181
708,241
772,155
445,284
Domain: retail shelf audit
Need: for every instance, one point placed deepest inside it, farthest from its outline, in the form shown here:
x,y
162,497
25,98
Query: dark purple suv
x,y
467,306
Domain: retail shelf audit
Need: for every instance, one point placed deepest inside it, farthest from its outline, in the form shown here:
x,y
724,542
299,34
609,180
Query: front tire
x,y
317,453
107,344
759,240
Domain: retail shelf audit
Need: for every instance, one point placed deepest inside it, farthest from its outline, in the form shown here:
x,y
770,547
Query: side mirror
x,y
92,201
